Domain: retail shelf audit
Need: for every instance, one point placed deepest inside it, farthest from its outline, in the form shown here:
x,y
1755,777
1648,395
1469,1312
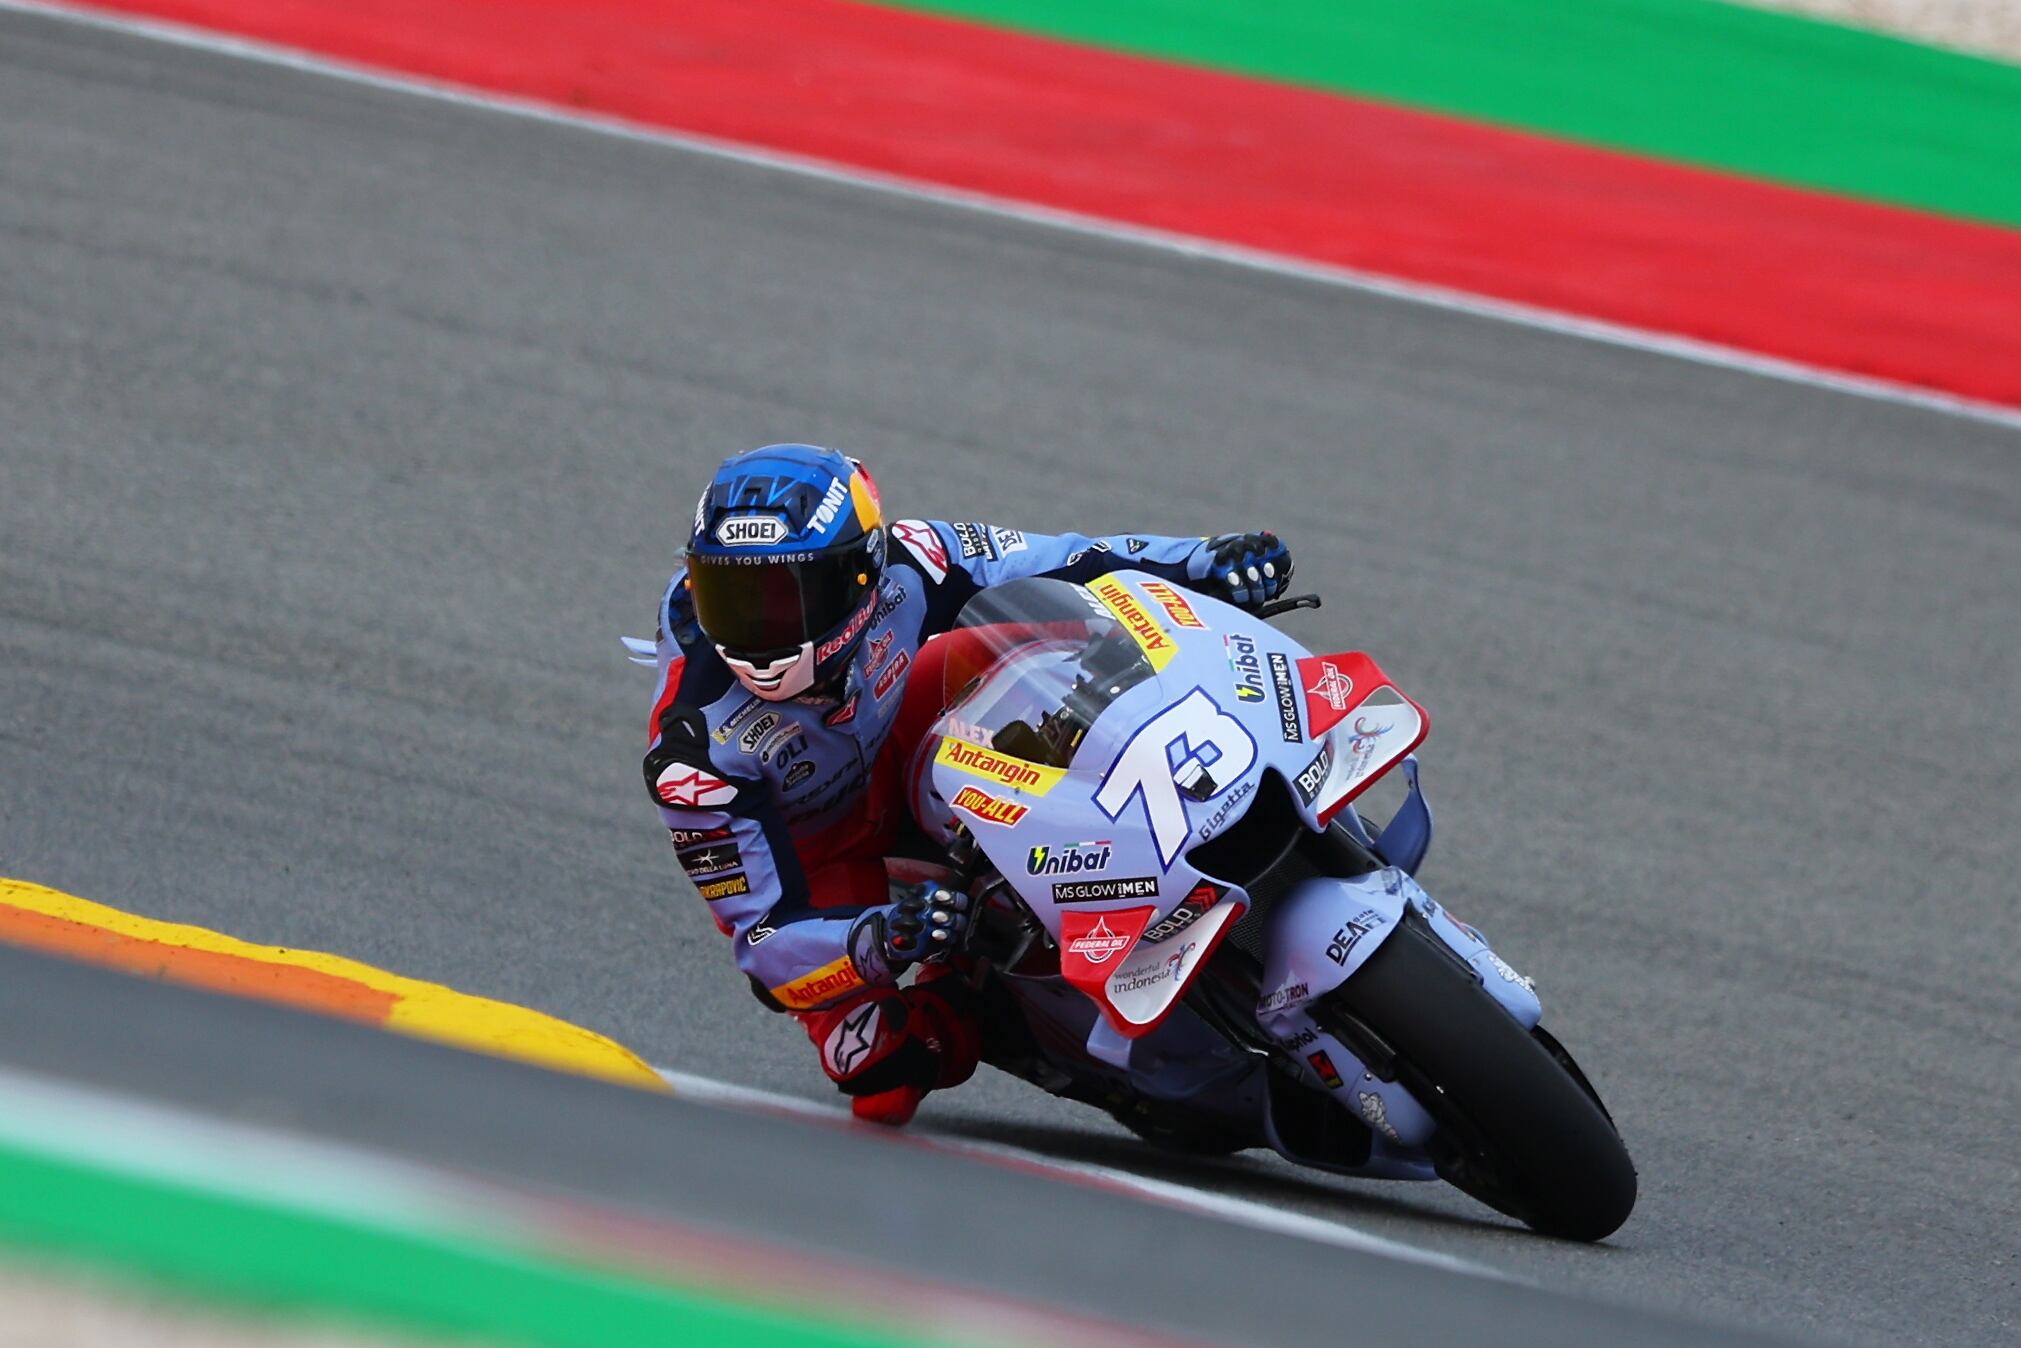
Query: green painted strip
x,y
1723,86
236,1249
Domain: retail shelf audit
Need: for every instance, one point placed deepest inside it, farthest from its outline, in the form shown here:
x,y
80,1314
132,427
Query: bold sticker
x,y
1328,694
725,889
1094,891
711,859
975,541
688,837
988,808
824,984
1324,1068
751,531
1152,639
1189,911
923,542
1081,858
1287,697
1175,605
850,1042
692,788
999,768
1313,776
890,677
1243,664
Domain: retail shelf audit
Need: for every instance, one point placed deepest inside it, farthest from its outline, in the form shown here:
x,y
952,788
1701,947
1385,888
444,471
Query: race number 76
x,y
1193,746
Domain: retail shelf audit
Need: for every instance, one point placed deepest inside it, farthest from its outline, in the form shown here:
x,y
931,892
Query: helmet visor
x,y
755,606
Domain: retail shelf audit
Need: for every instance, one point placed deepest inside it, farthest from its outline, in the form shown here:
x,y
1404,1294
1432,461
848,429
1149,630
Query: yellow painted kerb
x,y
44,919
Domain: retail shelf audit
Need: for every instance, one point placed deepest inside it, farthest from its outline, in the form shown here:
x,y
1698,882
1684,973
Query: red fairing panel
x,y
1367,720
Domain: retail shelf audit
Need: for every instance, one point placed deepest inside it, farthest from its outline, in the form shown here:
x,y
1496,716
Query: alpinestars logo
x,y
1099,946
851,1041
928,552
683,786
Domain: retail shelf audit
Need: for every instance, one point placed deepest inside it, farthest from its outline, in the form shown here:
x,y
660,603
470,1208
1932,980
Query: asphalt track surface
x,y
342,432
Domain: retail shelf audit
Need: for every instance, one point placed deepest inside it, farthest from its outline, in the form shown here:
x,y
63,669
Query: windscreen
x,y
1034,663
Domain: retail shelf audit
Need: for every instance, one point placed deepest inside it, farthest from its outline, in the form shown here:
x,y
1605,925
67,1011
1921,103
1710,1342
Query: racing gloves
x,y
925,923
1248,570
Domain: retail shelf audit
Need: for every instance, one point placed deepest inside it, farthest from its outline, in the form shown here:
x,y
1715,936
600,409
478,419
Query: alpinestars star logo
x,y
852,1040
681,785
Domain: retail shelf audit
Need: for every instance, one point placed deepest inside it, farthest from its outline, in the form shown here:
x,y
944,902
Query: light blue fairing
x,y
1114,805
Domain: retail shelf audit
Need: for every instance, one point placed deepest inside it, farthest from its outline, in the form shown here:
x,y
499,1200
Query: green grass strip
x,y
1723,86
242,1251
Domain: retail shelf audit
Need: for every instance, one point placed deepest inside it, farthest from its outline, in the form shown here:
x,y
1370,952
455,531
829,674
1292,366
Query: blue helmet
x,y
783,565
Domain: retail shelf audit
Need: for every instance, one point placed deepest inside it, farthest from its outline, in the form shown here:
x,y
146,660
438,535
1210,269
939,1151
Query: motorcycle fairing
x,y
1318,935
1138,987
1517,994
1370,724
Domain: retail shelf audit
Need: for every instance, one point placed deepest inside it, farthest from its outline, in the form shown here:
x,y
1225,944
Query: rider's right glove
x,y
927,922
1247,570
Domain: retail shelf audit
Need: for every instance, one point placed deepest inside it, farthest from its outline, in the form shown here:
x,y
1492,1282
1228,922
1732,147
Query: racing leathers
x,y
783,812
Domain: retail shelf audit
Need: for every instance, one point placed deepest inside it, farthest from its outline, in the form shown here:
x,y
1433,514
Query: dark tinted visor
x,y
752,607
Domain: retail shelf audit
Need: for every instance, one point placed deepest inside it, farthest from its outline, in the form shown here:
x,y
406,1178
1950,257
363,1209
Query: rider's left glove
x,y
927,922
1248,570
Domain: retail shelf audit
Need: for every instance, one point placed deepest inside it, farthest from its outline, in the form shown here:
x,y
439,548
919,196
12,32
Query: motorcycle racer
x,y
797,676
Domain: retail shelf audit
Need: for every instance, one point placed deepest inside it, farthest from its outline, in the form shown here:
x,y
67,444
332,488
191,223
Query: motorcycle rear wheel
x,y
1517,1128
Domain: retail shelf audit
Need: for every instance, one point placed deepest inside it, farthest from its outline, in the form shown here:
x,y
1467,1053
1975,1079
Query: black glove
x,y
1248,570
927,922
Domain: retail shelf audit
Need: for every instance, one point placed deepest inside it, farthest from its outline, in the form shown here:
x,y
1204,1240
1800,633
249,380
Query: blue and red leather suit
x,y
783,813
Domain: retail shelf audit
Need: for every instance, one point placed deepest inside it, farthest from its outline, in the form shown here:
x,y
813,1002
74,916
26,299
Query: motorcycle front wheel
x,y
1519,1128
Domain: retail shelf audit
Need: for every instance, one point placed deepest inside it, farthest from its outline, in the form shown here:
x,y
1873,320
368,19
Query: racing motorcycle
x,y
1183,920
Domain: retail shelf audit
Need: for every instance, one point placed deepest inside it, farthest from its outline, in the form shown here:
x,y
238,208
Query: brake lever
x,y
1287,604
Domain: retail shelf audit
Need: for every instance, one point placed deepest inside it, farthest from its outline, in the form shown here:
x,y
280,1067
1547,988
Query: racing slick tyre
x,y
1519,1127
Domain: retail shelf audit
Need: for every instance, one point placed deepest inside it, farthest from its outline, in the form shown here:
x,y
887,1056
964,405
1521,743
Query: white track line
x,y
1417,292
1240,1211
